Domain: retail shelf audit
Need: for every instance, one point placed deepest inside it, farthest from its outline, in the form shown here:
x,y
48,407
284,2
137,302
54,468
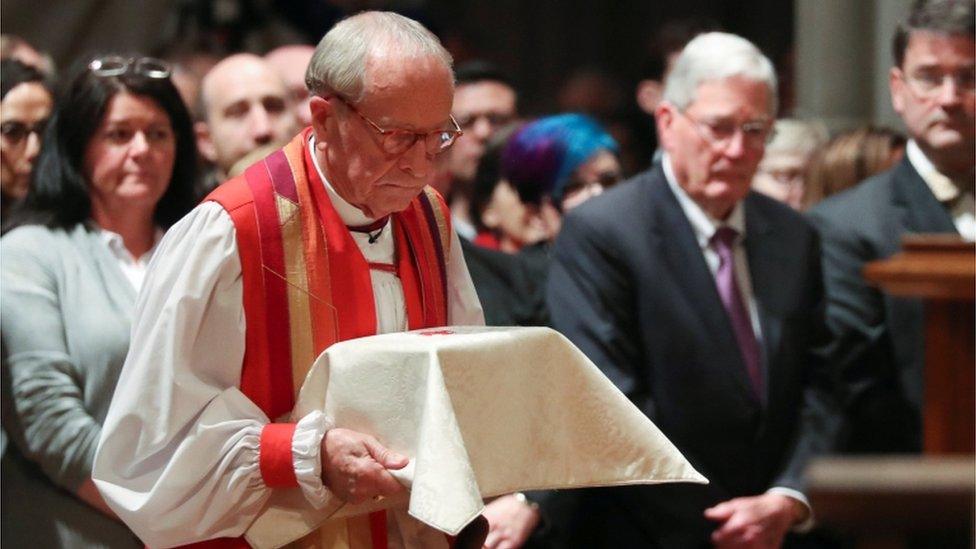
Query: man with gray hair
x,y
333,237
702,302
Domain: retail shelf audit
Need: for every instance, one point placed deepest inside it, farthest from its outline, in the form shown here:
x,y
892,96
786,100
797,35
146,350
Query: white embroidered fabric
x,y
480,412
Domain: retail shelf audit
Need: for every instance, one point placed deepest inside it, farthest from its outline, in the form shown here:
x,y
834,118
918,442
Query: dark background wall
x,y
563,55
540,43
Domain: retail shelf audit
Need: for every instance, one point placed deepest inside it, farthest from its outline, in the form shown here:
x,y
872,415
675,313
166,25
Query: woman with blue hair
x,y
564,159
526,181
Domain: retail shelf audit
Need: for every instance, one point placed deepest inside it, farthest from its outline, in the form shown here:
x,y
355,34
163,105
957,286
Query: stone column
x,y
842,60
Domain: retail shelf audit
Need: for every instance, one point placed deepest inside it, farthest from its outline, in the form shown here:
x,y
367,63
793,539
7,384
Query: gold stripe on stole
x,y
299,310
325,321
442,232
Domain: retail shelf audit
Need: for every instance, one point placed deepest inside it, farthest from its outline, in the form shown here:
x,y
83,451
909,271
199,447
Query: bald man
x,y
291,62
244,105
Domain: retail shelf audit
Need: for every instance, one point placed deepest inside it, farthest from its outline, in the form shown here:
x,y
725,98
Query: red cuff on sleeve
x,y
277,468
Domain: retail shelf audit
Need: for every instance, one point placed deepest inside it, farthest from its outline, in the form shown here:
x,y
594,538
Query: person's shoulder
x,y
475,254
863,200
38,239
618,204
784,220
39,245
206,222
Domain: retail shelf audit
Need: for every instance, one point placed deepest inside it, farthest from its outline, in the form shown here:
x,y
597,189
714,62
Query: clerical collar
x,y
702,224
351,216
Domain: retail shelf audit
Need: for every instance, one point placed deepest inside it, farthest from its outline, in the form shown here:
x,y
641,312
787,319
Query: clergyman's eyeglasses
x,y
399,141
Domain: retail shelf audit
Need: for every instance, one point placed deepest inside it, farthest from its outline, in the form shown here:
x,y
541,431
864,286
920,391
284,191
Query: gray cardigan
x,y
65,314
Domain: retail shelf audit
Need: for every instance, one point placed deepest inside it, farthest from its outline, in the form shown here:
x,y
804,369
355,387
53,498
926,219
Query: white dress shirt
x,y
134,268
704,227
178,456
960,203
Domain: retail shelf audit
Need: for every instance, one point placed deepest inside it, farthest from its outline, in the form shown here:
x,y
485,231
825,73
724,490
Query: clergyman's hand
x,y
755,522
355,466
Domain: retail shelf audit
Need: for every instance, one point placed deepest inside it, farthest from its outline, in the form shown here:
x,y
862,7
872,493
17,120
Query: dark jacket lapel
x,y
920,210
679,249
767,256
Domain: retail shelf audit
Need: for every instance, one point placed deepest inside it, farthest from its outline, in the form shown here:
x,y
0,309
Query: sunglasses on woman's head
x,y
115,65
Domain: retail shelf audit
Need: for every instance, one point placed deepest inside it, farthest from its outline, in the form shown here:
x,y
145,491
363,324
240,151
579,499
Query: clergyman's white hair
x,y
339,62
717,56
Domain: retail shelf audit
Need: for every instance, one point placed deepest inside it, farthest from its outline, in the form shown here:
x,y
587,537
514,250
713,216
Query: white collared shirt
x,y
704,227
178,457
961,204
134,268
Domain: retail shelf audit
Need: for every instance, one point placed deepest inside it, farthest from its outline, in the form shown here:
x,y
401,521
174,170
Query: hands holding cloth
x,y
479,412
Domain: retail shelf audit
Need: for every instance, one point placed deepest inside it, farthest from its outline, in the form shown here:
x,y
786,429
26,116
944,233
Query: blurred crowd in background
x,y
226,86
203,45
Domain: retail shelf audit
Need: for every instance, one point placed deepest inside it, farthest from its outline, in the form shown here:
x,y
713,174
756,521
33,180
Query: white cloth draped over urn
x,y
480,412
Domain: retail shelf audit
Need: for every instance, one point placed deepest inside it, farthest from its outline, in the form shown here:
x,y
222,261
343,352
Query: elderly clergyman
x,y
703,302
330,238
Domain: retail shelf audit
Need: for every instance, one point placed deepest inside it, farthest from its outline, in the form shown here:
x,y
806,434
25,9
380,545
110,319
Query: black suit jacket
x,y
879,346
510,287
629,285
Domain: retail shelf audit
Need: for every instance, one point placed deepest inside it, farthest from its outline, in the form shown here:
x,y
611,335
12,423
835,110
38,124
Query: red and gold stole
x,y
307,285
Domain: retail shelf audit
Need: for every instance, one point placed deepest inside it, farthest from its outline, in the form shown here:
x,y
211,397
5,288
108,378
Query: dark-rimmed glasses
x,y
399,141
115,65
16,132
720,133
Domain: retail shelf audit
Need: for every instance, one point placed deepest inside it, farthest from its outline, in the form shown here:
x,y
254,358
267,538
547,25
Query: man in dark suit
x,y
702,302
879,348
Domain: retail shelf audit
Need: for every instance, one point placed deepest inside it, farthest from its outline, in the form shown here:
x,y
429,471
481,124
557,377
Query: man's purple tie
x,y
728,289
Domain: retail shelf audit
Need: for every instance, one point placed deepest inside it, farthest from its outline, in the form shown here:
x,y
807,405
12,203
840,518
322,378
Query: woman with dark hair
x,y
25,105
116,170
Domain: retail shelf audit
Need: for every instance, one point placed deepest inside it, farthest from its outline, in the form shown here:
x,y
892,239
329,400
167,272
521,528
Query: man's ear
x,y
204,142
664,116
896,83
648,95
322,109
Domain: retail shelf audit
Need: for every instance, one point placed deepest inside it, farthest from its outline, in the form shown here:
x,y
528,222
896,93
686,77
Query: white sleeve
x,y
178,458
463,306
